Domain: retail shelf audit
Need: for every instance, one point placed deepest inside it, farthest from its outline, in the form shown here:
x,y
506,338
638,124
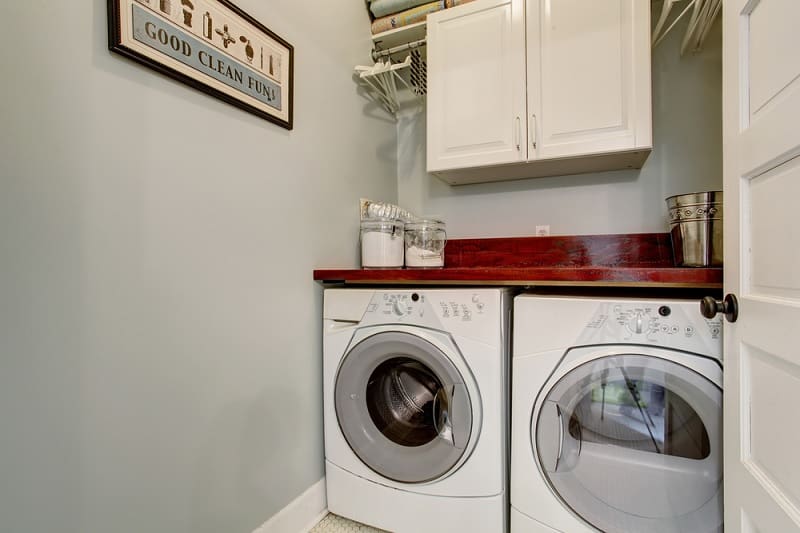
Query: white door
x,y
761,99
476,85
588,77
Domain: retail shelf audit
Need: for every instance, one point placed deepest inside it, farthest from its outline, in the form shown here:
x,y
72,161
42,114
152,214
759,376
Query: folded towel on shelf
x,y
381,8
404,18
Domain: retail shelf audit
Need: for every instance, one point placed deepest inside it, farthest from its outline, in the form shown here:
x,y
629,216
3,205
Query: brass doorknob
x,y
729,306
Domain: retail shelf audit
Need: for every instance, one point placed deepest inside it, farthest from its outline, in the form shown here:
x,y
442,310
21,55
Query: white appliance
x,y
616,416
416,408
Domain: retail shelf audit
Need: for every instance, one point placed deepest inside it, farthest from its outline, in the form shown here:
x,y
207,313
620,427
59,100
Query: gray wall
x,y
159,328
687,157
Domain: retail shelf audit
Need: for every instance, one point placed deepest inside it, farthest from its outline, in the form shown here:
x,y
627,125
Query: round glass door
x,y
633,443
403,407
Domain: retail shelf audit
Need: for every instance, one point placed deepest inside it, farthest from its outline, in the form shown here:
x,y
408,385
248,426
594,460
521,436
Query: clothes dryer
x,y
616,416
416,408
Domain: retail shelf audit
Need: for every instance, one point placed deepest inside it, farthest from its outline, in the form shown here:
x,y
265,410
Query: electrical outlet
x,y
543,231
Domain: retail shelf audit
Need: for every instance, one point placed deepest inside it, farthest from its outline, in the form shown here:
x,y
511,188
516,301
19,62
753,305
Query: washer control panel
x,y
463,307
481,314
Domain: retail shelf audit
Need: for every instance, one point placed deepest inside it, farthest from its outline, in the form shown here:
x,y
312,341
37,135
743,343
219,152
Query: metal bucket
x,y
695,223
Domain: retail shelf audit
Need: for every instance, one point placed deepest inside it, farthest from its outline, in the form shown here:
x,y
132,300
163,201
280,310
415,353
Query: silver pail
x,y
695,223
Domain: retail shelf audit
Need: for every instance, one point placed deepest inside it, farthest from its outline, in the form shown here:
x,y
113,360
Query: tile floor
x,y
332,523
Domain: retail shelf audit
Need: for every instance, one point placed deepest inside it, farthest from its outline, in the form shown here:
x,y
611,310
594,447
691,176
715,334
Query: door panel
x,y
761,106
772,199
768,84
774,394
773,41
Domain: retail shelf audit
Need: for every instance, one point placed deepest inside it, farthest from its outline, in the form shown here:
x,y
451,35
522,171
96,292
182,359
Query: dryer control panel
x,y
670,323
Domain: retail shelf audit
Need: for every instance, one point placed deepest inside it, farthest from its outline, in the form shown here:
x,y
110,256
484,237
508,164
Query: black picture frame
x,y
212,46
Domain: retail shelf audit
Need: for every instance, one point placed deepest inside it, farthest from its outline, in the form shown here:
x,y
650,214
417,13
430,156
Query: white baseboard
x,y
301,514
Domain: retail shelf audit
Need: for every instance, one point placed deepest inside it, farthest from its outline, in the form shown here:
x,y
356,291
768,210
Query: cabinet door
x,y
588,77
476,85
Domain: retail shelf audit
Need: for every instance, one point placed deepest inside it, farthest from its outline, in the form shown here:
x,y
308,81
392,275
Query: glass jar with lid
x,y
425,242
381,243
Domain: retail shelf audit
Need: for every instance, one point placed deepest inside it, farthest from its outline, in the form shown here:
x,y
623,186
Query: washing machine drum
x,y
403,407
633,443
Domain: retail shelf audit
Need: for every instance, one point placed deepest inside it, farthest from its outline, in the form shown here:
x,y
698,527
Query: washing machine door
x,y
633,443
403,407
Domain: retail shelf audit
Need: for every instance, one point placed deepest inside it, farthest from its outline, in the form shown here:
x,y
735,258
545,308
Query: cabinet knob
x,y
729,306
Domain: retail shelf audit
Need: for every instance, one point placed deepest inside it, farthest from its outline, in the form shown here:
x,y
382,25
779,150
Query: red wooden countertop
x,y
626,260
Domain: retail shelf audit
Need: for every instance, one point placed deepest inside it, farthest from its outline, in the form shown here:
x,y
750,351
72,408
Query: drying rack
x,y
704,13
400,70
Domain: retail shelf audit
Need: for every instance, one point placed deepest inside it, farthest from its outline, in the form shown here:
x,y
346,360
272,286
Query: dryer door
x,y
403,407
633,443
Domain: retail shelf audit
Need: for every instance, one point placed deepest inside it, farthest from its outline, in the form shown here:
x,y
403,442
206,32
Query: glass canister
x,y
381,243
425,242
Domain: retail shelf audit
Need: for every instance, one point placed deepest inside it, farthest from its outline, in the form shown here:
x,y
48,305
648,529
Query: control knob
x,y
638,323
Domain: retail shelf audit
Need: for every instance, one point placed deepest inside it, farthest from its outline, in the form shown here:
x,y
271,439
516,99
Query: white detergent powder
x,y
420,257
379,249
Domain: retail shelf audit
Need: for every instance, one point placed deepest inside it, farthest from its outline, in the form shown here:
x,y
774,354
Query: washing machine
x,y
416,408
616,416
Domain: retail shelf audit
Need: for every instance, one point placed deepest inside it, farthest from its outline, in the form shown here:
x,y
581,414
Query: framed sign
x,y
211,45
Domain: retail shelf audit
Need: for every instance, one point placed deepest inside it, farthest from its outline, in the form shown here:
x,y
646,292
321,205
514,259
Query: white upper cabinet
x,y
477,97
577,98
589,76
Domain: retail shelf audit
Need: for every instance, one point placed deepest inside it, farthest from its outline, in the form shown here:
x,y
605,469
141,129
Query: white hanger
x,y
704,13
695,22
703,26
371,76
378,88
382,78
715,12
697,4
662,19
